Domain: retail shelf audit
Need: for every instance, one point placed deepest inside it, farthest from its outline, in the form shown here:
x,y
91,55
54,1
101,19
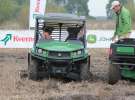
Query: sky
x,y
97,7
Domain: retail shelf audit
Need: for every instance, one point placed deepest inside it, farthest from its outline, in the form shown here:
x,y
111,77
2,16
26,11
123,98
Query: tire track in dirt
x,y
15,86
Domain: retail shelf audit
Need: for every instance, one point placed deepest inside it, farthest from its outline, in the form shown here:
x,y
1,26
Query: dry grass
x,y
91,24
103,24
14,87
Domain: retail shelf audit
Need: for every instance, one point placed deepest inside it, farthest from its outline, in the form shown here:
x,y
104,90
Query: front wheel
x,y
84,71
114,74
33,65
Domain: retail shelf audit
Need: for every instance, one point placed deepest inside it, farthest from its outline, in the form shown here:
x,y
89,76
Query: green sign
x,y
91,38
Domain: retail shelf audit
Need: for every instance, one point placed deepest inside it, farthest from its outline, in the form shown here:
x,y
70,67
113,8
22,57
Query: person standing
x,y
123,21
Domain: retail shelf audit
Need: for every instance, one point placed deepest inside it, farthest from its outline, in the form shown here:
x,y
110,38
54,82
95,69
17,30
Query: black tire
x,y
114,74
33,68
85,71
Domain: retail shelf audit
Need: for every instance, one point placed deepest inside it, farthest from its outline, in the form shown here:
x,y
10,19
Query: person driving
x,y
74,33
47,32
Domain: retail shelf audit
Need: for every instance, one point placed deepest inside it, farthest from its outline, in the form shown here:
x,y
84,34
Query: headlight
x,y
40,51
44,52
74,54
77,53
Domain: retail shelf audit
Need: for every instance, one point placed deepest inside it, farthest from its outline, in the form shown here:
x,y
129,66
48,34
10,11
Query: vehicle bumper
x,y
127,73
69,60
62,67
127,69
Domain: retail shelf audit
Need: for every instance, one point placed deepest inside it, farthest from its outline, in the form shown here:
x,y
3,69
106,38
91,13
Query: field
x,y
14,84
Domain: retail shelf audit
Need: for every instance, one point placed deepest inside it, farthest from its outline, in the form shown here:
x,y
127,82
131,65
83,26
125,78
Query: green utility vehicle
x,y
122,60
65,54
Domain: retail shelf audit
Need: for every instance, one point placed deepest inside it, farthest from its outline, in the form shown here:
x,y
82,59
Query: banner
x,y
101,38
16,39
37,7
25,38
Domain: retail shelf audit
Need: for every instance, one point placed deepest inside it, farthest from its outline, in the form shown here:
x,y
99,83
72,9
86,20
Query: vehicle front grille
x,y
59,54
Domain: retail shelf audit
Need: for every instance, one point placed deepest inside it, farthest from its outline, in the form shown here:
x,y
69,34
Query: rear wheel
x,y
114,74
33,65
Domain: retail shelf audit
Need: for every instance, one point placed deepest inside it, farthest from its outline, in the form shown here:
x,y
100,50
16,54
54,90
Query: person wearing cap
x,y
123,21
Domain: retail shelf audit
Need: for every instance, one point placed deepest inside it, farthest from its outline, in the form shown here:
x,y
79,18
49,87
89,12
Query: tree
x,y
54,7
109,12
59,2
77,6
21,2
8,9
131,6
24,11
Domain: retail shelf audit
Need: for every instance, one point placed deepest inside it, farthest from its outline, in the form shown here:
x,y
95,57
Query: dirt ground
x,y
15,86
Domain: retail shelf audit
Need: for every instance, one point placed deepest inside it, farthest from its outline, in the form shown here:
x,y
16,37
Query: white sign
x,y
25,38
37,7
101,38
16,39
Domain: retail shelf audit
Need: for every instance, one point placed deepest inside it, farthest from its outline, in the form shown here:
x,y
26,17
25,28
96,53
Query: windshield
x,y
60,31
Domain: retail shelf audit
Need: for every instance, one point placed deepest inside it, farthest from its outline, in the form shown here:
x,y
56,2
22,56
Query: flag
x,y
37,7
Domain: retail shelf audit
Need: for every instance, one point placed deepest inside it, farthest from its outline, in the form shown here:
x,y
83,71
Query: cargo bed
x,y
123,52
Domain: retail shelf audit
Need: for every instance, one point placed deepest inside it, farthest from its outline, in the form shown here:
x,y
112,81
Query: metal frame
x,y
60,18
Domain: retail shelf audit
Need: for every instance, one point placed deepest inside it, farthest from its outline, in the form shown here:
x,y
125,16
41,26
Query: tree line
x,y
15,10
18,10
